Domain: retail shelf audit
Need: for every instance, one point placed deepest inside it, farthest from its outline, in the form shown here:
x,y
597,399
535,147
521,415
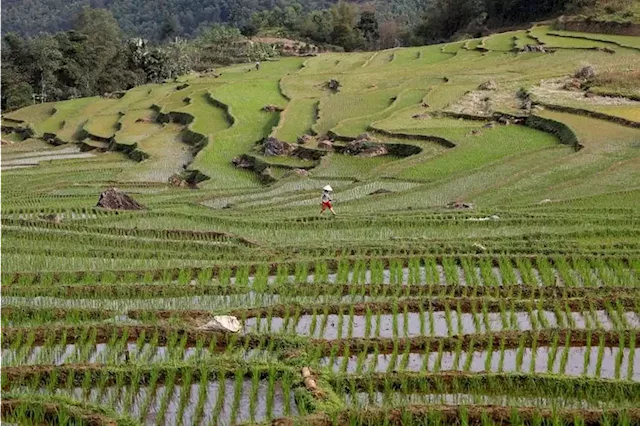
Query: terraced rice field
x,y
523,309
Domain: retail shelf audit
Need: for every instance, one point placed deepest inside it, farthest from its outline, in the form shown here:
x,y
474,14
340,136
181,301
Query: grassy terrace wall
x,y
561,130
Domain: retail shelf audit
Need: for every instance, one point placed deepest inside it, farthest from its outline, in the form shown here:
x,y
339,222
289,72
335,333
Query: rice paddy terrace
x,y
524,309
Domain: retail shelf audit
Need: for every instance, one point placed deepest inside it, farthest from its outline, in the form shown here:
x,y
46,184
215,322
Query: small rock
x,y
476,132
479,246
242,162
380,191
333,85
365,148
272,108
266,176
325,144
488,85
421,116
504,121
274,146
586,72
114,199
301,172
225,323
304,139
175,180
573,84
490,125
55,218
459,205
534,48
484,219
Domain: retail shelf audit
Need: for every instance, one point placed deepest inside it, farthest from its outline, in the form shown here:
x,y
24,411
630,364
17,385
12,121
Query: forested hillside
x,y
146,18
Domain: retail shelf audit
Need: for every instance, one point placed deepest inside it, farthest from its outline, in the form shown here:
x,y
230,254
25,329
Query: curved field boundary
x,y
441,141
604,40
283,115
394,107
597,26
603,92
561,130
106,139
197,140
592,114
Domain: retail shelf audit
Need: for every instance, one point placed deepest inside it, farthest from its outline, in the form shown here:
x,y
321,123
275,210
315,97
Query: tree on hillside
x,y
344,32
170,28
102,44
446,17
369,28
318,26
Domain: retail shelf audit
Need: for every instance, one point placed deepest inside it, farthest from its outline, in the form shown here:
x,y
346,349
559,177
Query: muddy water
x,y
576,358
147,407
363,400
389,325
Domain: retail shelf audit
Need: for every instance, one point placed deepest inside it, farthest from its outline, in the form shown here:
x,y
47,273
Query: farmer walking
x,y
326,199
257,65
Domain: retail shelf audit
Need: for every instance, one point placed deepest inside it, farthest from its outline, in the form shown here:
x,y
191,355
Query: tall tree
x,y
369,28
344,33
170,28
102,45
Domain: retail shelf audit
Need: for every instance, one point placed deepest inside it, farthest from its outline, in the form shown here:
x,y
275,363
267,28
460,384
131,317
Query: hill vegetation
x,y
483,267
99,55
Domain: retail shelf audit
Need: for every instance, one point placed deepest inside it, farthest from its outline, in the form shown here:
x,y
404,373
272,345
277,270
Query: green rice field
x,y
483,269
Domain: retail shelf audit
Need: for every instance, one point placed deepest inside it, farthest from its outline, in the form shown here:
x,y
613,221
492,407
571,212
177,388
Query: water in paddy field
x,y
462,278
419,324
221,401
506,362
365,399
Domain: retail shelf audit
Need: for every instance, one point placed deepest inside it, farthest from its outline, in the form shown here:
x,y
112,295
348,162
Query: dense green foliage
x,y
152,19
95,58
467,19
